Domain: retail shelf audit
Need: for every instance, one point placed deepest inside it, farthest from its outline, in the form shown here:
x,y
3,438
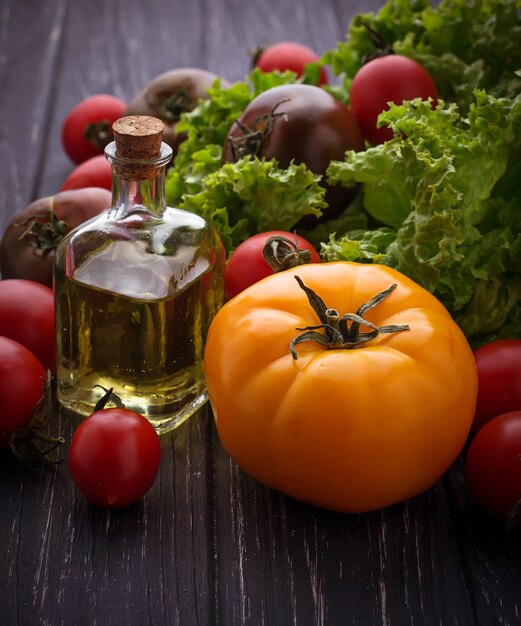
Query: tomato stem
x,y
250,141
46,234
29,444
99,134
174,105
342,331
280,253
381,45
108,396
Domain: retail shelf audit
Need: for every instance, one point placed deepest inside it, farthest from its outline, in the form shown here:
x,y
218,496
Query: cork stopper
x,y
138,137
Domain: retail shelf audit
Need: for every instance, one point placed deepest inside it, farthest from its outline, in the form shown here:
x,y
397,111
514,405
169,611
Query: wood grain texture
x,y
208,544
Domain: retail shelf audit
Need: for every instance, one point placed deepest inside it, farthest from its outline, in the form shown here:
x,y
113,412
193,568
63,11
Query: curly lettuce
x,y
441,201
255,195
446,193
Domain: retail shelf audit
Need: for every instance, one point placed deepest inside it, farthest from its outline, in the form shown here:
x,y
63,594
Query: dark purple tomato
x,y
301,124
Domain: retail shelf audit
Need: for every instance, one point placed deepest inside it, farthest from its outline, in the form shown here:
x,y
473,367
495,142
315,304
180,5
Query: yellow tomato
x,y
353,427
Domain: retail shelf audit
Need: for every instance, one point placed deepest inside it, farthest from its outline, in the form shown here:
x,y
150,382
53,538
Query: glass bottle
x,y
136,289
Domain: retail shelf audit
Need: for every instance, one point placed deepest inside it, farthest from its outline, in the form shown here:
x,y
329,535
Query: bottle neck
x,y
131,189
138,184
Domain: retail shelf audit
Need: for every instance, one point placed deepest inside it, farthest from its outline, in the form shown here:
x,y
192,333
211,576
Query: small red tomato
x,y
493,465
114,457
289,55
499,380
87,129
247,264
22,379
95,172
27,316
390,78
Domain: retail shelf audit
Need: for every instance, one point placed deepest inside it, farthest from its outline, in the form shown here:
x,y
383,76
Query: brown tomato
x,y
28,245
170,94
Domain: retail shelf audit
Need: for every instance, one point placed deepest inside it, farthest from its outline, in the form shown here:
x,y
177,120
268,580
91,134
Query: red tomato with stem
x,y
289,55
385,79
27,316
114,457
22,379
87,128
95,172
247,264
493,466
499,380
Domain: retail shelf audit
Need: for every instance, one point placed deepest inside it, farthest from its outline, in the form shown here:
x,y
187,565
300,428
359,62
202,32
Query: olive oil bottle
x,y
136,289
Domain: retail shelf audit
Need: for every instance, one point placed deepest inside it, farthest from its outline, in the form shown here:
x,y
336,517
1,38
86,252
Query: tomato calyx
x,y
255,54
381,45
280,253
250,142
108,396
30,445
339,333
46,234
170,106
99,134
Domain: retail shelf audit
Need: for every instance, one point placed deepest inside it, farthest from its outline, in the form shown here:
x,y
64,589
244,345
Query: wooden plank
x,y
292,563
29,50
75,562
490,556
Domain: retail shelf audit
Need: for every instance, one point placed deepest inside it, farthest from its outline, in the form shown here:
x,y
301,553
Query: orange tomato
x,y
350,429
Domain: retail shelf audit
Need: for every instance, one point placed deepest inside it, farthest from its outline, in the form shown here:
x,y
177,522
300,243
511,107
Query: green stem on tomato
x,y
342,331
280,253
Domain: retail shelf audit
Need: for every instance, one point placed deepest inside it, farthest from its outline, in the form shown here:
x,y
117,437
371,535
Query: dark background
x,y
208,544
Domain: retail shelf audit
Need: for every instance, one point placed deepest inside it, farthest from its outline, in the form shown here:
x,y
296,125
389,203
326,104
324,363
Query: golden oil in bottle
x,y
135,291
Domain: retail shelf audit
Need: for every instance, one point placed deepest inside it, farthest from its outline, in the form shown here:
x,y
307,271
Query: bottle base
x,y
164,415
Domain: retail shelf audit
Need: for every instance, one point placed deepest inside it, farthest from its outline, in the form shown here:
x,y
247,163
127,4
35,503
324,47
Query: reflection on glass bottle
x,y
136,289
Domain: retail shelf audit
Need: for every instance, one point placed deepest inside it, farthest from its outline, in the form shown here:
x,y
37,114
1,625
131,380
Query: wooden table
x,y
208,544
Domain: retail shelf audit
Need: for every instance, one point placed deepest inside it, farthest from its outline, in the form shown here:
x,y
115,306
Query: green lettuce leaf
x,y
206,127
445,192
255,195
440,201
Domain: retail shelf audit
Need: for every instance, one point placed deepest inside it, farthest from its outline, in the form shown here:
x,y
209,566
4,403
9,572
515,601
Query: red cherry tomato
x,y
114,457
493,465
27,316
87,129
499,380
22,379
95,172
289,55
247,265
390,78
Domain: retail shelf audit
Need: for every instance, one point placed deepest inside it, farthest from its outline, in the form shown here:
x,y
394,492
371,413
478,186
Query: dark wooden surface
x,y
208,544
